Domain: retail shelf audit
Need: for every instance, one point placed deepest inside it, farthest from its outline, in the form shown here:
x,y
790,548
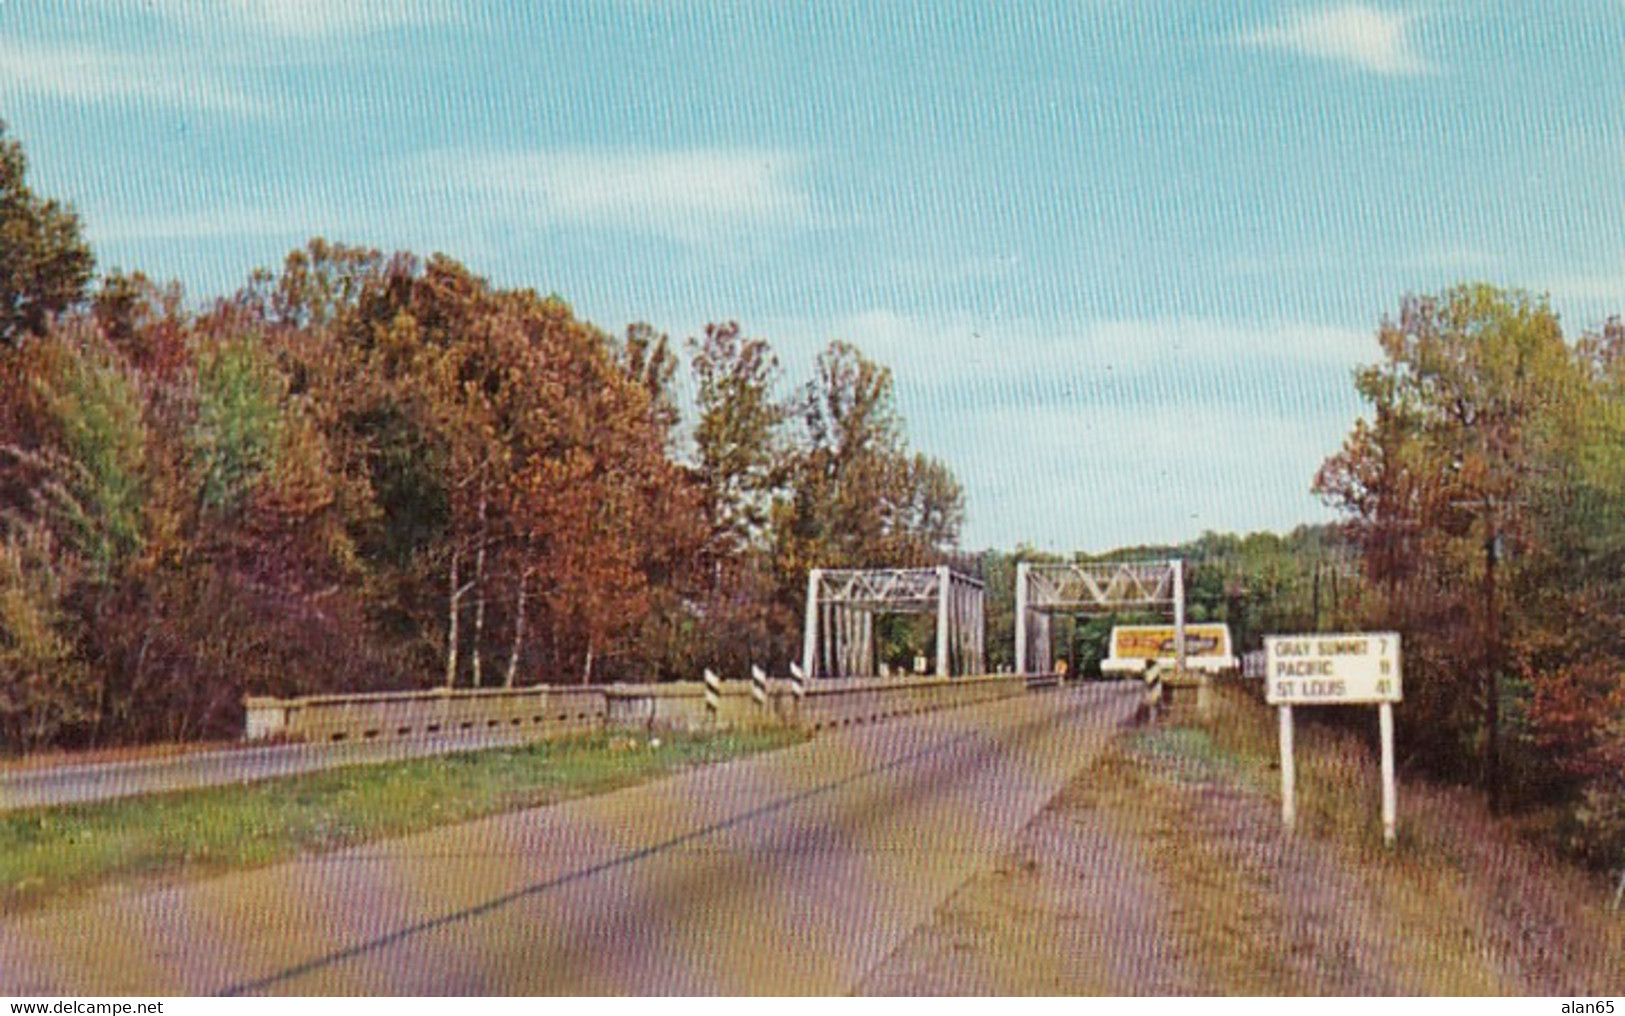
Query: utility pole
x,y
1495,516
1492,671
1316,597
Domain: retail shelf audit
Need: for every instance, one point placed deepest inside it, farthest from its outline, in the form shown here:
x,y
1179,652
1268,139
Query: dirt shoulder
x,y
1163,870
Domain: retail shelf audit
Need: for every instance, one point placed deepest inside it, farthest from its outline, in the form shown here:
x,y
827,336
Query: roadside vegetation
x,y
50,853
1482,498
1484,494
366,471
1463,904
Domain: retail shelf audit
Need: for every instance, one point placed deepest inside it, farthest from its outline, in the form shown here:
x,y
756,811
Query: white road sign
x,y
1309,670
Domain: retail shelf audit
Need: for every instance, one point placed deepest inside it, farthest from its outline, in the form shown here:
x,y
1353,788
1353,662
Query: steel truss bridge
x,y
1094,589
842,605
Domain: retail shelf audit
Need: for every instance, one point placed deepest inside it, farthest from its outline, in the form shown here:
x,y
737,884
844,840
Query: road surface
x,y
793,872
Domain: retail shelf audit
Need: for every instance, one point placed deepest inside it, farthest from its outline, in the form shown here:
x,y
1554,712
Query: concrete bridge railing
x,y
553,711
542,711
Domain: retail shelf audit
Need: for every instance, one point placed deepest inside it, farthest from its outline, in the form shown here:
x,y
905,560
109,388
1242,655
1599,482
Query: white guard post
x,y
1350,669
841,607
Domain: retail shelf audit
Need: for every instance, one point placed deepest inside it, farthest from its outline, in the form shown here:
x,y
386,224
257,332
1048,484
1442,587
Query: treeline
x,y
1485,492
367,471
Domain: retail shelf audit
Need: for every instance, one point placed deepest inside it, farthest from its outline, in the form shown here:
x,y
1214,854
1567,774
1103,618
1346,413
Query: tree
x,y
45,266
44,685
932,510
737,437
739,472
93,415
646,358
1472,401
237,435
860,499
845,503
503,466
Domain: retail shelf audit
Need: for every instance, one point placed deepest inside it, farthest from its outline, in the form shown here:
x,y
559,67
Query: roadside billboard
x,y
1156,642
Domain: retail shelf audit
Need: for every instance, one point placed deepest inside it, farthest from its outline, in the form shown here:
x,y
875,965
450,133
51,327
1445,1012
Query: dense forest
x,y
367,470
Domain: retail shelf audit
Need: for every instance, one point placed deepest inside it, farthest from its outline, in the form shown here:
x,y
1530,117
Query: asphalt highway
x,y
793,872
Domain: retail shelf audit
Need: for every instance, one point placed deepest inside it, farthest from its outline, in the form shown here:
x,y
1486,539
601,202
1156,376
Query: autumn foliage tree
x,y
368,470
513,488
1481,492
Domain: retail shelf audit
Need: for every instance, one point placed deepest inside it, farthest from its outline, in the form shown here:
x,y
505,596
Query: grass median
x,y
49,853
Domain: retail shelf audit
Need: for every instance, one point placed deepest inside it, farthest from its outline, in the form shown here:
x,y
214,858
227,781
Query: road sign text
x,y
1332,669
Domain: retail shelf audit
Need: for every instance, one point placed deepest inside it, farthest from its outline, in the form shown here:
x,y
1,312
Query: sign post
x,y
1289,788
1390,814
1353,669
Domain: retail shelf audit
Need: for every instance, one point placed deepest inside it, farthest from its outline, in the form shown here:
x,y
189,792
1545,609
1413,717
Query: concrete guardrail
x,y
541,711
553,711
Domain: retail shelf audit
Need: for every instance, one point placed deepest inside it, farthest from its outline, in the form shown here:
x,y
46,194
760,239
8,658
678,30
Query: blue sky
x,y
1121,256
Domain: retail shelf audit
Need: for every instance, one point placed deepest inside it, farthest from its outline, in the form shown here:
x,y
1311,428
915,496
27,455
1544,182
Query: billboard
x,y
1151,642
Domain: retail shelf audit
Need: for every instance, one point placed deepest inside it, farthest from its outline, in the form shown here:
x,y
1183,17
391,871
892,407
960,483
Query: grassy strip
x,y
1460,907
48,853
1147,784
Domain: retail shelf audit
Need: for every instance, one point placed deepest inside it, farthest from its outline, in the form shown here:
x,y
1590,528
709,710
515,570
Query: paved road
x,y
27,787
794,872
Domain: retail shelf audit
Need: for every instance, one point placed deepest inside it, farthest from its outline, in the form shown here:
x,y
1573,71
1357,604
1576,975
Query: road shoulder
x,y
1164,870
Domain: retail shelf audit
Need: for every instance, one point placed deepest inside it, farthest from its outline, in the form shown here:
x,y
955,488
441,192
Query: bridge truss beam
x,y
1092,589
841,607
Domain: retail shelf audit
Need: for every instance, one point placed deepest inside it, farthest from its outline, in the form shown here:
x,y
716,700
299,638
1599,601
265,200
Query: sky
x,y
1122,256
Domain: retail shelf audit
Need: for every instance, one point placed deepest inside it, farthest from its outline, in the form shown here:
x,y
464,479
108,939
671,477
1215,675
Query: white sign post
x,y
1315,670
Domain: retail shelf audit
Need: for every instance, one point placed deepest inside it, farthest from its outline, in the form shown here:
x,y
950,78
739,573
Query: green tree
x,y
737,438
96,417
45,266
239,419
845,502
932,509
860,499
739,472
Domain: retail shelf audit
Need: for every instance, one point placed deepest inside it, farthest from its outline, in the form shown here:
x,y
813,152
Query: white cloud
x,y
1367,38
1606,284
94,74
1454,259
692,196
1103,434
961,347
1065,479
304,19
327,17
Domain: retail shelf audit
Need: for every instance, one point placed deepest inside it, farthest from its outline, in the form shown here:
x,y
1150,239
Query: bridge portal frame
x,y
842,603
1092,589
